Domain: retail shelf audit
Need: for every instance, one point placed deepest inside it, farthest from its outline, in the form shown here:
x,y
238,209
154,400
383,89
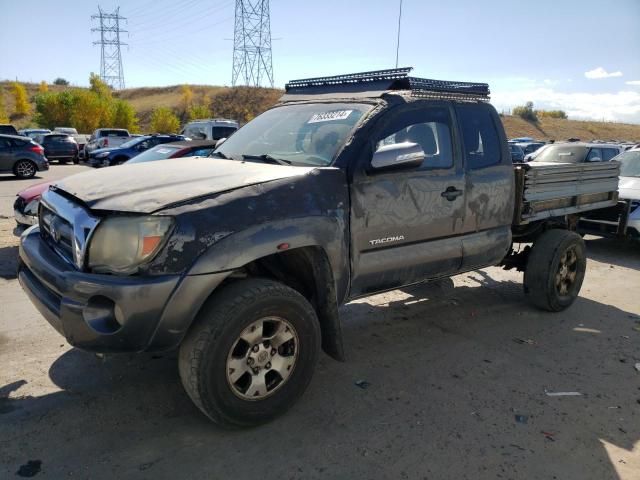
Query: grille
x,y
57,232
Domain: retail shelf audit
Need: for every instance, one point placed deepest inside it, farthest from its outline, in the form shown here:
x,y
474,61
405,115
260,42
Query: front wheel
x,y
24,169
555,270
251,353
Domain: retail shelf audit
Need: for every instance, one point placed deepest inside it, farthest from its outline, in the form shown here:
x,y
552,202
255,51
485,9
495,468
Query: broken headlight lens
x,y
121,244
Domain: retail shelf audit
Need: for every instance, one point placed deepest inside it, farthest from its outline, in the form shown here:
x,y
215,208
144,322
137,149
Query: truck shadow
x,y
433,371
616,251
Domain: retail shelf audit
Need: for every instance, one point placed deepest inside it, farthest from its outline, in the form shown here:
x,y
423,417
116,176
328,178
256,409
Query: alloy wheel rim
x,y
567,271
262,358
25,169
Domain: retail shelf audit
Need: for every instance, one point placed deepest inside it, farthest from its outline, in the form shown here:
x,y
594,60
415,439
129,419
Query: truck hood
x,y
629,188
148,187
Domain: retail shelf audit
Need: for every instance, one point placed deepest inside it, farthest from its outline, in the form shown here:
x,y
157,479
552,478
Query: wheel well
x,y
308,271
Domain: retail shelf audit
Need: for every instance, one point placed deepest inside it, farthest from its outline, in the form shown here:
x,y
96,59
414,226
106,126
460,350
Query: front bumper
x,y
108,313
25,213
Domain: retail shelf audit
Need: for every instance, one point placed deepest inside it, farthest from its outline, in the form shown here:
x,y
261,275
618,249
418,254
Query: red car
x,y
25,208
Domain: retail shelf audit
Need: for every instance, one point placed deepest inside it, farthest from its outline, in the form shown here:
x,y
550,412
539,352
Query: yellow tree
x,y
98,86
22,106
164,121
199,111
43,87
186,101
3,112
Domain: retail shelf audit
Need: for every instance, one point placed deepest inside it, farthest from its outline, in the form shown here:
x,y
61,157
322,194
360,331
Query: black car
x,y
8,129
21,156
107,157
59,146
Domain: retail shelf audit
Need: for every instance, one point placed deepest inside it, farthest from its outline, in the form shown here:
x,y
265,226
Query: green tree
x,y
163,120
60,81
98,86
54,109
22,106
90,111
124,116
4,118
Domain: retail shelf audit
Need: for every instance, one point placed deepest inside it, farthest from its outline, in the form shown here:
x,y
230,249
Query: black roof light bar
x,y
386,80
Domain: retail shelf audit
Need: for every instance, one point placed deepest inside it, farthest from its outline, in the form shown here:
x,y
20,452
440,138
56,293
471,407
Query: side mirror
x,y
220,142
398,155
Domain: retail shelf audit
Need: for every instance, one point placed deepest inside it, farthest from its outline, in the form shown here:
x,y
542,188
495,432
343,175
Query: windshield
x,y
629,164
133,143
310,134
563,154
159,152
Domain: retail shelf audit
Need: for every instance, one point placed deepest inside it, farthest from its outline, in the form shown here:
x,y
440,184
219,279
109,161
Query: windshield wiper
x,y
266,158
219,154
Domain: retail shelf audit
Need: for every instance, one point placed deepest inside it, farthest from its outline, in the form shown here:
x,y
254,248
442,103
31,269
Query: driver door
x,y
405,222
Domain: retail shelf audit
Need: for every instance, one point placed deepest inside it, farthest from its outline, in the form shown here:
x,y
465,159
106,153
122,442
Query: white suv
x,y
210,129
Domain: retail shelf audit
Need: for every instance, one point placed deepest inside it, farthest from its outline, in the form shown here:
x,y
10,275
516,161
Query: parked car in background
x,y
59,146
210,129
106,137
529,157
187,148
622,220
521,140
577,152
21,156
25,208
33,132
107,157
517,154
67,130
8,129
530,147
82,140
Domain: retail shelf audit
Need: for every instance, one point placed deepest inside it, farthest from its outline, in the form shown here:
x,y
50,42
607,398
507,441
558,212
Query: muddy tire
x,y
555,270
251,352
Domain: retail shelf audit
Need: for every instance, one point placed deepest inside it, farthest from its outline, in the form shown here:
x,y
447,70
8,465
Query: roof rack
x,y
386,80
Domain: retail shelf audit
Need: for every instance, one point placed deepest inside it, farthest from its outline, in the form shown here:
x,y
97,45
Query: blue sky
x,y
582,56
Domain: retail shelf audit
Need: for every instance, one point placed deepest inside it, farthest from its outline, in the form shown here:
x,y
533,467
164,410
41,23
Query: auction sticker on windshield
x,y
330,116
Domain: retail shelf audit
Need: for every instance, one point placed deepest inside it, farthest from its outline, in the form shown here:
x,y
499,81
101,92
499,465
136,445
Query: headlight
x,y
121,244
102,155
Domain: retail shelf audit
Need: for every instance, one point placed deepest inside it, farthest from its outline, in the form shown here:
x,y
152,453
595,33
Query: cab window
x,y
479,137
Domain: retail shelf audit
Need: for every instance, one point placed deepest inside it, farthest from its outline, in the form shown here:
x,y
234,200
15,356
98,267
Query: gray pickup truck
x,y
349,186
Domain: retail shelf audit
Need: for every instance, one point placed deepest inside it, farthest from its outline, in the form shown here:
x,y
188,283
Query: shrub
x,y
60,81
186,100
199,111
43,87
526,112
552,114
22,106
98,86
244,103
163,120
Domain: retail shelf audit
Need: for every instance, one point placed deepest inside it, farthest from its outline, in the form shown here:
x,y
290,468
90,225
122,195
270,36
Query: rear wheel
x,y
251,353
555,270
24,169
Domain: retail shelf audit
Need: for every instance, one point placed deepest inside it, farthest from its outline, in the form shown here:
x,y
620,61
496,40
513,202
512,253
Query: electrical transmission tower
x,y
111,71
252,44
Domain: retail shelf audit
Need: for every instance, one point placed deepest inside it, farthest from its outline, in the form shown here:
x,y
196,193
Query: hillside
x,y
244,103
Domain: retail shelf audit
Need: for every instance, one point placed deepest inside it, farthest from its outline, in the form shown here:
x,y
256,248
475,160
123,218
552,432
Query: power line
x,y
252,61
399,25
111,71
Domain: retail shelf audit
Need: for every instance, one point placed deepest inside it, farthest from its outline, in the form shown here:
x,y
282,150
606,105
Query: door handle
x,y
451,193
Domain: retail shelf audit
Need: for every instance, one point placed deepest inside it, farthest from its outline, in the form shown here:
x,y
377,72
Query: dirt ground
x,y
456,382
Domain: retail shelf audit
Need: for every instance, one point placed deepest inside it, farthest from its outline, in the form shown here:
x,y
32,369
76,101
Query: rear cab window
x,y
480,140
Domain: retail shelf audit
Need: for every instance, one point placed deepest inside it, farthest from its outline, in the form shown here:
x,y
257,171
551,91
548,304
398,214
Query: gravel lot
x,y
456,377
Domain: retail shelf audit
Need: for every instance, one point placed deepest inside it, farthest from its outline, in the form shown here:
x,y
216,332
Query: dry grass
x,y
559,129
144,100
